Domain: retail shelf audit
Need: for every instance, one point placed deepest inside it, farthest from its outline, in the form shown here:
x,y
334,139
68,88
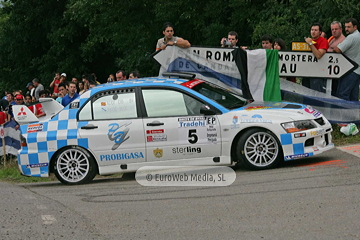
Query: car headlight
x,y
297,126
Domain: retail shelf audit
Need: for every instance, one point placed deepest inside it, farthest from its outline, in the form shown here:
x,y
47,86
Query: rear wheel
x,y
74,165
259,149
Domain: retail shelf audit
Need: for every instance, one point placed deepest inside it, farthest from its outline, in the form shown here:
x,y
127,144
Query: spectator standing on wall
x,y
337,35
55,83
169,39
348,88
120,75
267,41
230,41
279,44
318,46
38,87
134,74
336,38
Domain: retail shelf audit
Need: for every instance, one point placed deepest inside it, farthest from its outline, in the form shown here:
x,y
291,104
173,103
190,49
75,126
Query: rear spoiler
x,y
23,115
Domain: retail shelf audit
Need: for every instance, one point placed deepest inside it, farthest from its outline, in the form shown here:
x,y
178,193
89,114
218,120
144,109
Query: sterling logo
x,y
186,150
117,133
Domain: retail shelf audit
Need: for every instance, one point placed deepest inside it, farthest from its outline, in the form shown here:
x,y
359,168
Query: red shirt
x,y
3,117
56,85
36,109
321,43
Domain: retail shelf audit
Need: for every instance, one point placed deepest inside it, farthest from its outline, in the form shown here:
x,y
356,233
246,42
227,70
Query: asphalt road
x,y
314,198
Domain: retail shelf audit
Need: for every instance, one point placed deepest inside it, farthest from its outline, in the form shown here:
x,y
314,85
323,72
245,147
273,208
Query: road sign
x,y
300,46
305,64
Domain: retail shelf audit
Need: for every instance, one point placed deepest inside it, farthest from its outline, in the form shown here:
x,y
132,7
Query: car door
x,y
175,129
109,122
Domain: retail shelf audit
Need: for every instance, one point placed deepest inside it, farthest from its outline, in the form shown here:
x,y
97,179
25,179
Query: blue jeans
x,y
348,88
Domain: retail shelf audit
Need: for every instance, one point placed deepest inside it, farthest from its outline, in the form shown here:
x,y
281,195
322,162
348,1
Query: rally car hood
x,y
293,111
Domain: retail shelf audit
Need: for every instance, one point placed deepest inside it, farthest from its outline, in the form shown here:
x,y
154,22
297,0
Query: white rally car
x,y
122,126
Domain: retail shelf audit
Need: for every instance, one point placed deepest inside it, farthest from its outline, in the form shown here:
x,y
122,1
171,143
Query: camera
x,y
226,42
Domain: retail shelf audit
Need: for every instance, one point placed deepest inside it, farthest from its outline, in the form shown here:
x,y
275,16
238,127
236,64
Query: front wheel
x,y
74,165
259,149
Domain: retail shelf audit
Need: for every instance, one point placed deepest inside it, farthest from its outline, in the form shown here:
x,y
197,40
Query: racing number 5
x,y
193,138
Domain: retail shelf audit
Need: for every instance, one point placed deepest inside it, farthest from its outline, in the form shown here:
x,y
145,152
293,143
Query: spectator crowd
x,y
347,87
60,89
64,91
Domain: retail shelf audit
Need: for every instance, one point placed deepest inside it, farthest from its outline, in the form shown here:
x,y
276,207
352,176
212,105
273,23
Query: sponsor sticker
x,y
158,153
312,111
37,165
118,133
235,122
315,149
156,131
256,120
121,156
22,112
157,138
192,83
74,105
186,150
256,108
35,127
21,115
290,157
196,121
317,133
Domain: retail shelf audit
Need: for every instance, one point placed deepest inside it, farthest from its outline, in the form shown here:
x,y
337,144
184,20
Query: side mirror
x,y
206,110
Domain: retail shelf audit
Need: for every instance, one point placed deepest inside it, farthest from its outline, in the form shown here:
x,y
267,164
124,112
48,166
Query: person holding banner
x,y
170,40
230,41
267,41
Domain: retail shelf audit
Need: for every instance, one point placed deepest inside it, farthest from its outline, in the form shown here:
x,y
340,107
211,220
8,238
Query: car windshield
x,y
220,95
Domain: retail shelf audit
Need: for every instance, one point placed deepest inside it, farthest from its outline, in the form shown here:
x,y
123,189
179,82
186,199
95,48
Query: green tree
x,y
41,37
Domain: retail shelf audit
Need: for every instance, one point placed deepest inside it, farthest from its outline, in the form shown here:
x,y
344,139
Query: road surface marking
x,y
354,150
336,163
48,219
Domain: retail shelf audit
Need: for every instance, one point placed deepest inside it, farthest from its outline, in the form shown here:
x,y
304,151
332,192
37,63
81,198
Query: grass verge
x,y
10,172
340,139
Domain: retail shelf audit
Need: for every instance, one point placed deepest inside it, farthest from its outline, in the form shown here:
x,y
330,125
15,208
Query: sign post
x,y
305,64
300,46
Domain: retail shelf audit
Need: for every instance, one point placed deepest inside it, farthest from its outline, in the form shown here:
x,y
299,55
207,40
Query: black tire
x,y
74,165
259,149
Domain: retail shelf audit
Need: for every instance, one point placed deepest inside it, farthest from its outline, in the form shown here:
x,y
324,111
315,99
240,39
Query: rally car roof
x,y
136,82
